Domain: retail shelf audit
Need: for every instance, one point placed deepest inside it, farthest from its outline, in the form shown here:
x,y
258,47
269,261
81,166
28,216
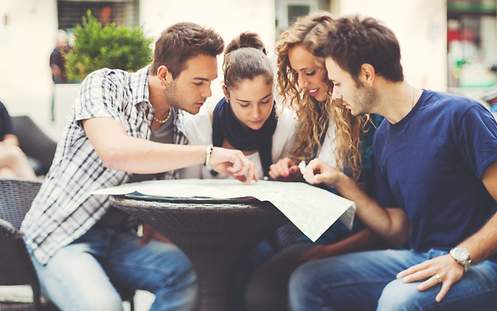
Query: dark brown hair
x,y
353,41
245,58
182,41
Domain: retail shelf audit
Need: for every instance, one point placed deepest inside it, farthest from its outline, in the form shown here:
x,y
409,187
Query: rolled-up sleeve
x,y
99,97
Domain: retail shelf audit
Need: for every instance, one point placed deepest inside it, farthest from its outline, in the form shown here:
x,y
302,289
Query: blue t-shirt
x,y
366,177
431,164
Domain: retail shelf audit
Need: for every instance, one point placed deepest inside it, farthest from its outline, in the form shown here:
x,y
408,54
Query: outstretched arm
x,y
122,152
391,224
363,240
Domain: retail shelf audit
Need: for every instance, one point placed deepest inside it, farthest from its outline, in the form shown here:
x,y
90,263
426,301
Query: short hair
x,y
182,41
353,41
245,58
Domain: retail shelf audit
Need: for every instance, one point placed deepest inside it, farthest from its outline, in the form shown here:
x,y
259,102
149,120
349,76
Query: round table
x,y
214,234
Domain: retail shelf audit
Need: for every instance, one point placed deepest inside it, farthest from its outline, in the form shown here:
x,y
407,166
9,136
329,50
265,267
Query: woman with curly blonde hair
x,y
304,85
325,130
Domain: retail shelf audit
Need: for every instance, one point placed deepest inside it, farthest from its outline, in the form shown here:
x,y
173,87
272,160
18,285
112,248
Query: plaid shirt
x,y
63,210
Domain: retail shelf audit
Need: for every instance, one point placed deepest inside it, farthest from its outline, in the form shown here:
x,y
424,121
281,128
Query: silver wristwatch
x,y
461,256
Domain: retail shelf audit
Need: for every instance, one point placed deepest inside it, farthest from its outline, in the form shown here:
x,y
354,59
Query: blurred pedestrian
x,y
57,58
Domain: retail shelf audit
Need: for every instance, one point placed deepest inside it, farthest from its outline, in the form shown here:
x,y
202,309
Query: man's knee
x,y
400,296
304,281
181,275
94,299
101,302
184,271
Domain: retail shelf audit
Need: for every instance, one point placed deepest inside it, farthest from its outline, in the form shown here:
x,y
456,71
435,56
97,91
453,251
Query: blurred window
x,y
122,12
471,44
287,11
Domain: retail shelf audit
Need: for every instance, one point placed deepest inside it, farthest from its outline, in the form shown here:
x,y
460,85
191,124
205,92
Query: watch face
x,y
460,254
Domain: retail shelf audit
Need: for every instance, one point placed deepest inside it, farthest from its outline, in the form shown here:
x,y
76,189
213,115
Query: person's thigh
x,y
268,286
12,158
477,290
348,282
6,172
157,267
74,280
10,155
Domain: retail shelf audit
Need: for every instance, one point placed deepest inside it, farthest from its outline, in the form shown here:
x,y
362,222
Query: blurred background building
x,y
446,44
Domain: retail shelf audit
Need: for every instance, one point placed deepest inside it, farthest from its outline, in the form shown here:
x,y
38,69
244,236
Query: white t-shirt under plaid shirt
x,y
63,210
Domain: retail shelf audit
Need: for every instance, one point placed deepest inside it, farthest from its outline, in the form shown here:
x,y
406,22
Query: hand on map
x,y
233,163
285,170
318,172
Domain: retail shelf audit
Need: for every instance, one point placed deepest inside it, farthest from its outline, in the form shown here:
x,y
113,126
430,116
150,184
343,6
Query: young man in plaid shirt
x,y
124,124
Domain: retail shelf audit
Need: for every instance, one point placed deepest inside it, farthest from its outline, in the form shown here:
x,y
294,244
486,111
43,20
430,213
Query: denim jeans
x,y
367,281
267,287
81,275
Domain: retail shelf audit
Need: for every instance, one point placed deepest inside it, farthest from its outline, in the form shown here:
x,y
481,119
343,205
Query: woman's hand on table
x,y
318,172
284,170
233,163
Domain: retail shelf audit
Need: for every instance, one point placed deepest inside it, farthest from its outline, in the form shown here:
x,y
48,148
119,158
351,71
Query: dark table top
x,y
177,203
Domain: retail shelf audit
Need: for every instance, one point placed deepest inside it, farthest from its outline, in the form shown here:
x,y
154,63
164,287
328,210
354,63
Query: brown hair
x,y
245,58
353,41
182,41
313,116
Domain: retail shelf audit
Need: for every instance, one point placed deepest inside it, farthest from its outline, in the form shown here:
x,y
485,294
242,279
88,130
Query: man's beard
x,y
365,98
171,95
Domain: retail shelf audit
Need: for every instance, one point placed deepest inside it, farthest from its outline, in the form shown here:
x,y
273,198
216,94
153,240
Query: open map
x,y
311,209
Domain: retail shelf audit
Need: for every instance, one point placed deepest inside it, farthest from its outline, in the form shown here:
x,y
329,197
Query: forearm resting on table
x,y
390,224
122,152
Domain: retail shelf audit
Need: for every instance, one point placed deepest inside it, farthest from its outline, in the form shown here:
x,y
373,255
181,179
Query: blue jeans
x,y
267,286
81,275
367,281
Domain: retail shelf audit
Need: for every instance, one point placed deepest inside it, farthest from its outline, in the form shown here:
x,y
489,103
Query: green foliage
x,y
110,46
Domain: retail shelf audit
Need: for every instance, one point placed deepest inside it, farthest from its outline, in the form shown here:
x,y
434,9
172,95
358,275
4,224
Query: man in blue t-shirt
x,y
435,185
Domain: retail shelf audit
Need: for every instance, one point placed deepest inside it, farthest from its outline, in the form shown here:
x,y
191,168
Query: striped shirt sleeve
x,y
99,97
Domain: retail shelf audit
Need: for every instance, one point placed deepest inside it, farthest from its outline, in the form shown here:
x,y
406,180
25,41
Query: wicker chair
x,y
16,267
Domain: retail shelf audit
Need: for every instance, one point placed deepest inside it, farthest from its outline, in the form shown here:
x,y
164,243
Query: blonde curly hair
x,y
313,116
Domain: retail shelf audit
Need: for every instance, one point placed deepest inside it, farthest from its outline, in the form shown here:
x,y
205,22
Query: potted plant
x,y
99,46
111,46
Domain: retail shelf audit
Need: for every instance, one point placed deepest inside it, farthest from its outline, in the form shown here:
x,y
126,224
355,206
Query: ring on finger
x,y
438,278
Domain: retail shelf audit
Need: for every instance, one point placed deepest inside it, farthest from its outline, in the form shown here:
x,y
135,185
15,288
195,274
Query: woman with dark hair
x,y
247,117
